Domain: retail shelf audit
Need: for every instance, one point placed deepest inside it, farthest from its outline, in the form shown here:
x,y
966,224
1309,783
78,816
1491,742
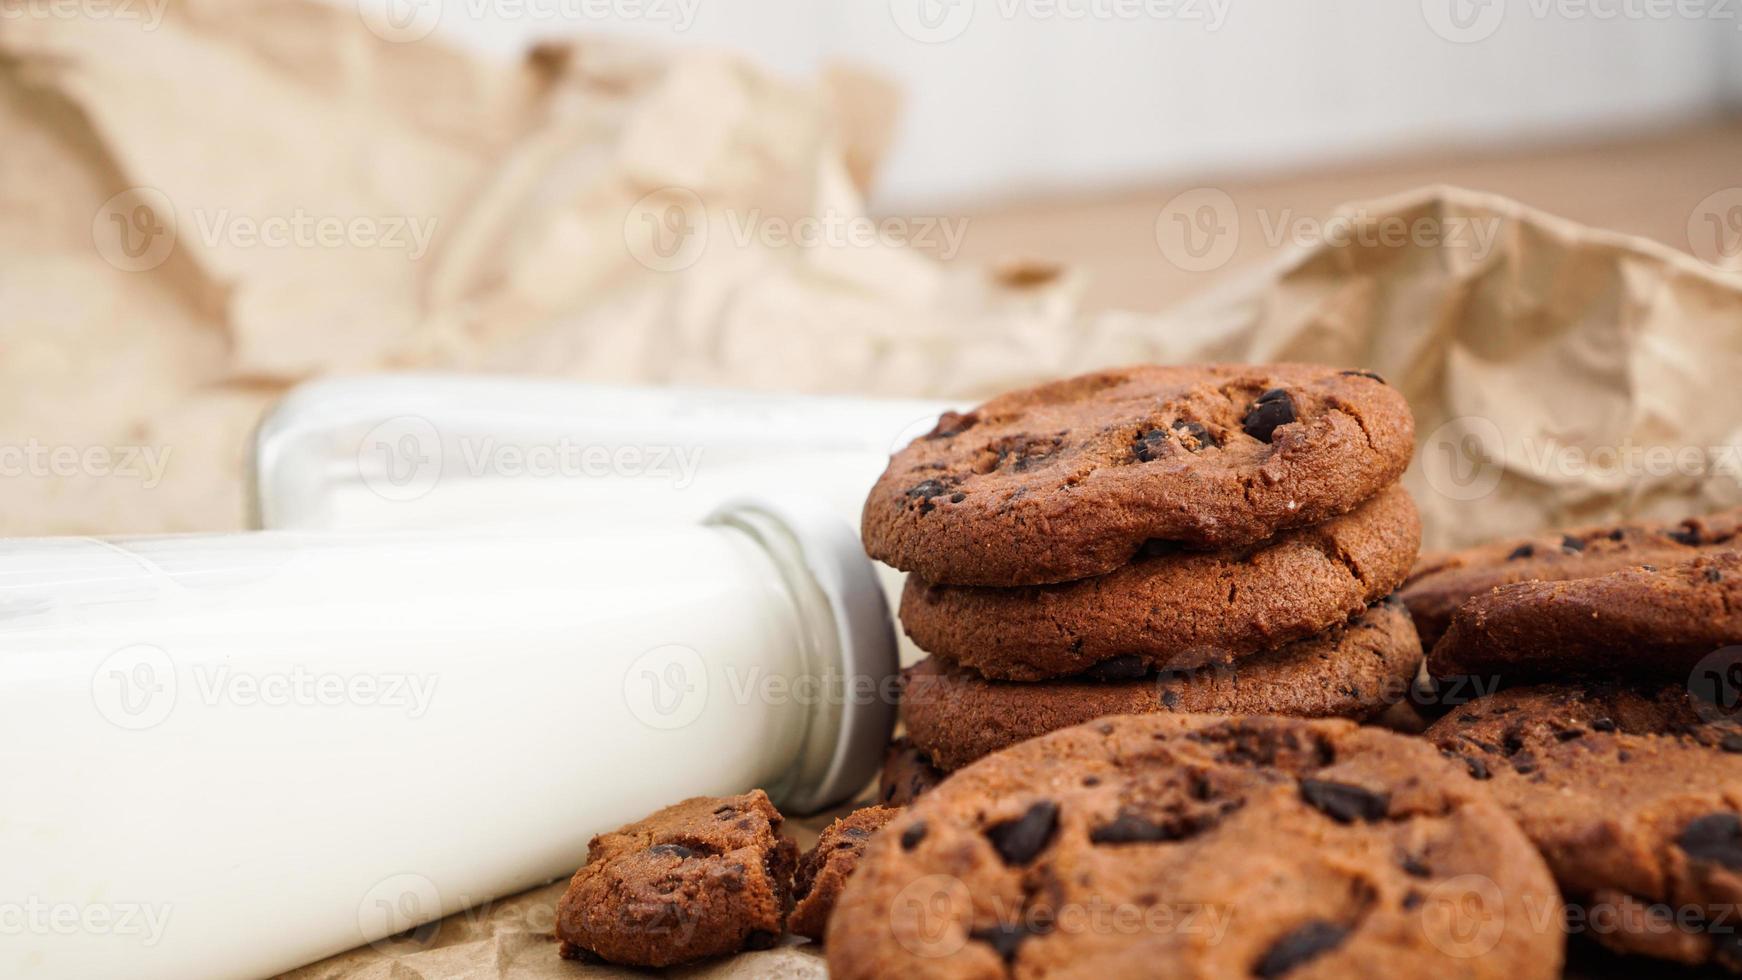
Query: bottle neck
x,y
848,648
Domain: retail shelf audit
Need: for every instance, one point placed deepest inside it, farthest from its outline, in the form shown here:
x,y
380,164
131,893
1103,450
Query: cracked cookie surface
x,y
1633,798
704,877
1070,479
825,868
1441,582
1357,670
1202,846
1650,621
1174,610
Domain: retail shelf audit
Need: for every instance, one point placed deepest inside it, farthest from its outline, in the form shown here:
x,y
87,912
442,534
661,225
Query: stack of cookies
x,y
1594,677
1217,539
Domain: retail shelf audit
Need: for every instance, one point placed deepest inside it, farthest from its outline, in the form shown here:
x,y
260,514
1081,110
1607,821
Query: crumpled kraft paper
x,y
198,211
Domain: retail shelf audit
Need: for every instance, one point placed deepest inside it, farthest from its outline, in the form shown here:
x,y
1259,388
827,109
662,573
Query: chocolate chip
x,y
1522,551
1150,445
1170,700
1195,437
1618,535
1344,802
1478,768
1005,937
1019,841
911,837
923,492
1412,899
1413,867
953,424
1714,575
1568,735
1130,828
675,850
1362,374
1685,535
1731,743
1129,667
958,497
1159,547
1716,837
1570,543
1272,409
1524,763
1603,725
928,488
1300,945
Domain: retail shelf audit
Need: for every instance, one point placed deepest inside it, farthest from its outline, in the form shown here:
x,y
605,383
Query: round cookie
x,y
700,878
1201,846
955,716
825,868
1069,479
1174,610
1634,802
907,773
1442,582
1651,621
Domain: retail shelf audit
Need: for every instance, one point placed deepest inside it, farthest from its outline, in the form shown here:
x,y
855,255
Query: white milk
x,y
230,755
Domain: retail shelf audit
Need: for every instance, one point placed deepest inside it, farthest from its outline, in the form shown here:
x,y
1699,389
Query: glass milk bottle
x,y
229,755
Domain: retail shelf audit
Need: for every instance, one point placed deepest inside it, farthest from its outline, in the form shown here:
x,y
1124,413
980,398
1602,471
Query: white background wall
x,y
1014,96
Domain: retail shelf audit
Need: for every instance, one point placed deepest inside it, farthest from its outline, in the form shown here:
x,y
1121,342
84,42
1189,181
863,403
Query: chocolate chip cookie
x,y
1070,479
1441,582
1202,846
825,868
700,878
907,773
955,716
1651,621
1633,799
1174,610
